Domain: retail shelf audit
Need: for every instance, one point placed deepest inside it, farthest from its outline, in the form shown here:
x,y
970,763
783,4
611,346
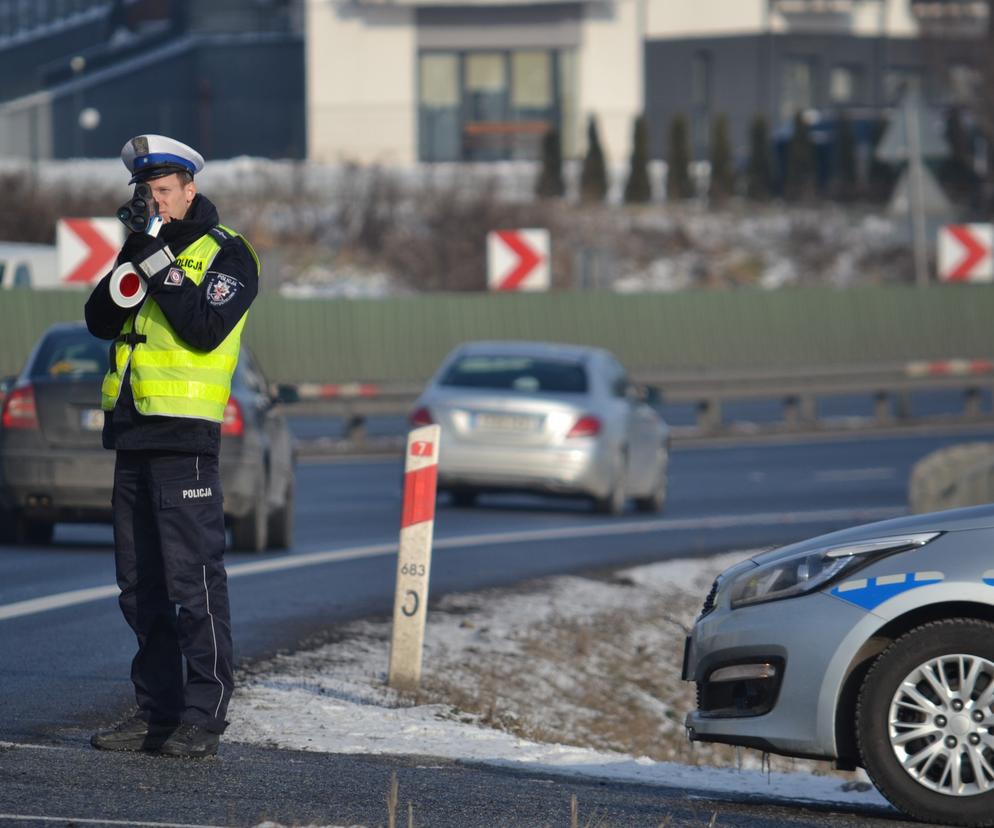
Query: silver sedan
x,y
547,418
871,647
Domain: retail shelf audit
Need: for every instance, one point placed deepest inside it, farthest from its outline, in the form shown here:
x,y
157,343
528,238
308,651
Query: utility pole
x,y
987,107
916,188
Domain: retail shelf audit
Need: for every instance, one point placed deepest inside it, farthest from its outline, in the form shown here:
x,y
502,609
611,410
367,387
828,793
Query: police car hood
x,y
954,520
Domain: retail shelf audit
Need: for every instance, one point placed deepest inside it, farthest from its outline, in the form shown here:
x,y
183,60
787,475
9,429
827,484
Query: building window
x,y
531,78
439,106
845,85
489,105
486,86
797,87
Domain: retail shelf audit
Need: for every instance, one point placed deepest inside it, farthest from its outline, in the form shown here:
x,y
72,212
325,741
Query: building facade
x,y
402,81
399,82
77,77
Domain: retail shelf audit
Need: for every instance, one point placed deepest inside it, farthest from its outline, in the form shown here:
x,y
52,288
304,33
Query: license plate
x,y
91,419
506,422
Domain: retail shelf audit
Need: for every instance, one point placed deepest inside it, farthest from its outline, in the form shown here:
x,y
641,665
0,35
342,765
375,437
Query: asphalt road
x,y
64,668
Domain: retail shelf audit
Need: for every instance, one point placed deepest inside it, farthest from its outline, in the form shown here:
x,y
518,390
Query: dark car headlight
x,y
812,569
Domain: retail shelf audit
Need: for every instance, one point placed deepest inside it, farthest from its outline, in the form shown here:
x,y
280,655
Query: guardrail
x,y
798,393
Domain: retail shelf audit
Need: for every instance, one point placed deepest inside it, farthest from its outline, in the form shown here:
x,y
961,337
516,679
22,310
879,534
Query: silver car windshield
x,y
517,373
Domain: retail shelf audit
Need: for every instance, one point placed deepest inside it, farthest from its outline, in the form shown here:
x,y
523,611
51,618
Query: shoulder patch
x,y
174,277
221,288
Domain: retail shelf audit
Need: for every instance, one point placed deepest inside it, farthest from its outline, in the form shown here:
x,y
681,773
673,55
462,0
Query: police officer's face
x,y
172,196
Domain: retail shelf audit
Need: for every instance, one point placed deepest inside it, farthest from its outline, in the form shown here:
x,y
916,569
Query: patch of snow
x,y
335,699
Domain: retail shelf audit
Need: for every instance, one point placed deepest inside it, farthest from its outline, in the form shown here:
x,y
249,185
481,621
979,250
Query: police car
x,y
872,647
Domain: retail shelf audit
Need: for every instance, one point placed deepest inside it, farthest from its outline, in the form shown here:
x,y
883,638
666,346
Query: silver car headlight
x,y
812,569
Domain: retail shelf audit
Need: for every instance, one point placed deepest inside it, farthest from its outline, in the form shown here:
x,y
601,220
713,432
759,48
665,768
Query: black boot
x,y
133,734
190,740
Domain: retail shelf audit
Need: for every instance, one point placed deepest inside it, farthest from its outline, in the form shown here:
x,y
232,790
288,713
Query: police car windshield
x,y
517,373
70,355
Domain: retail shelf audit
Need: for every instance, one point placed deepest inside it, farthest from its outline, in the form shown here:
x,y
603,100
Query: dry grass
x,y
608,681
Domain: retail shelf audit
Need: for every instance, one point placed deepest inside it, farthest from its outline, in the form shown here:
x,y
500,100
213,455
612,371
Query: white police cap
x,y
152,156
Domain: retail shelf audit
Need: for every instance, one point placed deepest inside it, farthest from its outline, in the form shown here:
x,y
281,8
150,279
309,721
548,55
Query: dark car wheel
x,y
655,501
463,498
249,532
614,502
281,522
7,521
33,532
924,722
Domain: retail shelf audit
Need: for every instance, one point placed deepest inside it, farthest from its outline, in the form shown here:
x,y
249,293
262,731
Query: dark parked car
x,y
54,469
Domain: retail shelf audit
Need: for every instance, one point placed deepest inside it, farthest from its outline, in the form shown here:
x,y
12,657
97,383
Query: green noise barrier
x,y
402,340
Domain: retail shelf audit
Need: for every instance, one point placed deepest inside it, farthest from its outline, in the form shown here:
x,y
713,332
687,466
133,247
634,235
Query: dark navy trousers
x,y
169,552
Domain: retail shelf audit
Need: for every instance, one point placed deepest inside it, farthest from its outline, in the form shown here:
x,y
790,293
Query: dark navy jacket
x,y
203,325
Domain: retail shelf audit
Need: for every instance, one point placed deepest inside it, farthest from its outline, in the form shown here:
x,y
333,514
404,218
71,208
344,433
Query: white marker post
x,y
417,524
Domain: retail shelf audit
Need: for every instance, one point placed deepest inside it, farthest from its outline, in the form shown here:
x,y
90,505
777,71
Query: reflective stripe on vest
x,y
168,377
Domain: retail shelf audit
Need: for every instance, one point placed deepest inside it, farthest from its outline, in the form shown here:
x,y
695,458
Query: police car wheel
x,y
925,722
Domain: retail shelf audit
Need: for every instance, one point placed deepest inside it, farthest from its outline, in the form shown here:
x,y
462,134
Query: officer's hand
x,y
154,260
133,245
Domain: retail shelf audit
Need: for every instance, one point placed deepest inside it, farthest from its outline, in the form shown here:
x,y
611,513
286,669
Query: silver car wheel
x,y
933,684
941,724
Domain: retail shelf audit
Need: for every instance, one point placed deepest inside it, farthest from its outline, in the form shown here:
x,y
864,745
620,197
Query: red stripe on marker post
x,y
419,496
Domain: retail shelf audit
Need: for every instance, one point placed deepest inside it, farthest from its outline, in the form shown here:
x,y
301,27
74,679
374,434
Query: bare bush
x,y
29,209
442,246
392,230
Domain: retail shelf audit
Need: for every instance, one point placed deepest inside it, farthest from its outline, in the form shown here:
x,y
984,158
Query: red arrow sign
x,y
975,252
100,254
964,253
527,259
518,260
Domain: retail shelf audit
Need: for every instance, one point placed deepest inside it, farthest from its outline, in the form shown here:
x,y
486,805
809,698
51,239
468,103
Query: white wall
x,y
688,18
361,95
897,19
611,76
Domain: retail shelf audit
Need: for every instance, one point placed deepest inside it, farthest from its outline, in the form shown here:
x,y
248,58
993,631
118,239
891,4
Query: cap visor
x,y
160,171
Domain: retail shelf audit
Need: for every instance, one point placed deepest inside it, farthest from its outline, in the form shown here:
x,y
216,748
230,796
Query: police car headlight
x,y
813,569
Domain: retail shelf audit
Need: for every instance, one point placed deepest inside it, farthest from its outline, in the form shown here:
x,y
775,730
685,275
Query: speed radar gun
x,y
140,215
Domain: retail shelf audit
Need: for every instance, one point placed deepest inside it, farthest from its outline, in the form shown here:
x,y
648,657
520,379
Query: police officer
x,y
172,360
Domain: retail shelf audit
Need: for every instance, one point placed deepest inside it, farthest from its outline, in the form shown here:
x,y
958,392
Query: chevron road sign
x,y
87,248
965,253
518,260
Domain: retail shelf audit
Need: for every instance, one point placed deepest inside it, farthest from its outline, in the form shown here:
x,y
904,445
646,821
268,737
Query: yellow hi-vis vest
x,y
168,377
